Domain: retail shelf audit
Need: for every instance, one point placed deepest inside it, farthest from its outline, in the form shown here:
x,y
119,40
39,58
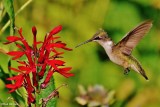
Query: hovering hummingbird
x,y
120,53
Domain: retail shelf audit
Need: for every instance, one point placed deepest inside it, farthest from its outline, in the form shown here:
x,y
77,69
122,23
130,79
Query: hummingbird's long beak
x,y
90,40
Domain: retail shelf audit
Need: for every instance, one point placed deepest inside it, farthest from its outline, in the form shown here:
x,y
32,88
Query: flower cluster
x,y
40,61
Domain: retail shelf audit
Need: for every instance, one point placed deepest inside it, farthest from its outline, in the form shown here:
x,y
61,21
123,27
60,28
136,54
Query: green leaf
x,y
45,92
8,4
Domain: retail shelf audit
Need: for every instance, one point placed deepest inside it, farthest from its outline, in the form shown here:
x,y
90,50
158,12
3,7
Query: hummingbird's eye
x,y
97,38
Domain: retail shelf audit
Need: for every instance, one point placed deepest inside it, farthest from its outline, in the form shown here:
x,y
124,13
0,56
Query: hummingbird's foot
x,y
126,71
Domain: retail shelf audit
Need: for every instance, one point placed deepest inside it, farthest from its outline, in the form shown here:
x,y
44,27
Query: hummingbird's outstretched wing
x,y
132,38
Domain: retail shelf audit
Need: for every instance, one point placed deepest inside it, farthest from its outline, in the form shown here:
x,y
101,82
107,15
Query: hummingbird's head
x,y
100,36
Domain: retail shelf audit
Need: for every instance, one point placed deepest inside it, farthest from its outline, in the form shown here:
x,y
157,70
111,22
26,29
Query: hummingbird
x,y
120,53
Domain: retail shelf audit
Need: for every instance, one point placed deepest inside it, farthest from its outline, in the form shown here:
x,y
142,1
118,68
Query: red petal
x,y
15,77
12,90
13,38
67,75
16,57
56,37
65,48
57,45
52,38
57,54
19,46
53,50
56,30
23,68
14,69
11,86
53,65
22,62
57,62
65,69
15,53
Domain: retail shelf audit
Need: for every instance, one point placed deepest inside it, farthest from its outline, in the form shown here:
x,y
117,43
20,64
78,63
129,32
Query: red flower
x,y
39,60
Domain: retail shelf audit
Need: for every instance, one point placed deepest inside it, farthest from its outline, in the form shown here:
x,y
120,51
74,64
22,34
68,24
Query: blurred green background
x,y
80,20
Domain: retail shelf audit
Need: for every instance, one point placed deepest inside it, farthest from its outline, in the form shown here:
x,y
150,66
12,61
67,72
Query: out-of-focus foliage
x,y
80,20
8,5
95,96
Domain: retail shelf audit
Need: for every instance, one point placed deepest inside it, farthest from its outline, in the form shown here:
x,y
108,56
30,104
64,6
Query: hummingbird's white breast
x,y
108,47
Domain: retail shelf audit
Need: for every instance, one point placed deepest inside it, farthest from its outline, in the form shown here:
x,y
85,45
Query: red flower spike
x,y
38,60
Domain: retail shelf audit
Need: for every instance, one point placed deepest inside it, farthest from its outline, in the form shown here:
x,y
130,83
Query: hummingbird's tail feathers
x,y
145,76
137,67
142,72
